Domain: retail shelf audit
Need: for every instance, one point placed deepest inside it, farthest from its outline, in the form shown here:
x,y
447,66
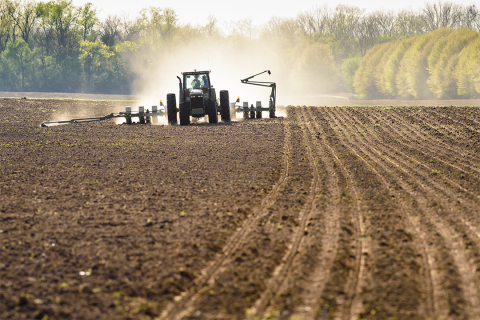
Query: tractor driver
x,y
196,83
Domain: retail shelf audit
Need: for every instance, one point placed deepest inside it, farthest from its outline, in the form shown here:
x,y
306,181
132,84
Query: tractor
x,y
197,98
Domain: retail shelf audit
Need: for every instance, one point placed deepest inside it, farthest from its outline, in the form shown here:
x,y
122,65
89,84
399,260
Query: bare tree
x,y
211,29
243,28
408,22
471,17
385,21
439,14
315,22
366,32
110,30
281,28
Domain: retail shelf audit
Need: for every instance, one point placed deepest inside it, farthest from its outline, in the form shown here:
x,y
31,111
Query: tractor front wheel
x,y
184,114
171,109
212,112
225,105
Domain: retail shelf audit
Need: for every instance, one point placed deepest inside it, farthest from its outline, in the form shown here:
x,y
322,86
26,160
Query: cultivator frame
x,y
145,117
252,112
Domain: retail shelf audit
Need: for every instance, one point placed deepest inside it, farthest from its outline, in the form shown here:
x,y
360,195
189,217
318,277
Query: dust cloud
x,y
229,62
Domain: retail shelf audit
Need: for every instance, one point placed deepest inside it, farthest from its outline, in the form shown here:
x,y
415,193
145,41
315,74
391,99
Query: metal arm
x,y
107,117
272,85
246,79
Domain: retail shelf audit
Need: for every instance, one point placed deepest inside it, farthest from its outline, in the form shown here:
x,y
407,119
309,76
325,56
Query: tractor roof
x,y
195,72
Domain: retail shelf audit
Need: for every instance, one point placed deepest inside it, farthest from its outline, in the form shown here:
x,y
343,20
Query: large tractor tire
x,y
271,114
225,105
171,109
184,114
212,112
259,114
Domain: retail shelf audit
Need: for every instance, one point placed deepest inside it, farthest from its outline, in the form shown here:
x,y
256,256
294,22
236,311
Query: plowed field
x,y
328,213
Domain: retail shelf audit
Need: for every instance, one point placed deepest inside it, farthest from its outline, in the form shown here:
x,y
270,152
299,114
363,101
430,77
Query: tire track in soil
x,y
449,152
282,277
313,285
244,277
454,246
431,278
182,303
395,259
341,296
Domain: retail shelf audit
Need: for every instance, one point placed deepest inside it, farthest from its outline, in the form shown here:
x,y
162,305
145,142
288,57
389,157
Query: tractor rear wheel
x,y
252,114
171,109
212,112
225,105
184,114
272,114
259,114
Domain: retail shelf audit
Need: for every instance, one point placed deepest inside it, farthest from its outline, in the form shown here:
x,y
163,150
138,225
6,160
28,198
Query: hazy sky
x,y
196,12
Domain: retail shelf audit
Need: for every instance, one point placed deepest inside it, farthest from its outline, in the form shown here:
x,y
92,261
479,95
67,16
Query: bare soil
x,y
331,212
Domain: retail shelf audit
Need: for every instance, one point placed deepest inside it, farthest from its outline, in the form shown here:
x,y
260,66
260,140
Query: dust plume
x,y
232,60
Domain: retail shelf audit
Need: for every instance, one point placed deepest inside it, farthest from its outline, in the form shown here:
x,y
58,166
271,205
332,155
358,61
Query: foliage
x,y
349,67
443,61
443,64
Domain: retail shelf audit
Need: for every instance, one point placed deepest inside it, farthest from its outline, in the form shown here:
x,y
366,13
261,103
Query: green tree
x,y
348,68
443,60
19,54
94,57
389,73
467,73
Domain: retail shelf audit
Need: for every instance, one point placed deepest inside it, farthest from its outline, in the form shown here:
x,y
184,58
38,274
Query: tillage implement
x,y
144,116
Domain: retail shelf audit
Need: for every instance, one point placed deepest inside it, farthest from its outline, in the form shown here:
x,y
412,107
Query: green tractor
x,y
197,98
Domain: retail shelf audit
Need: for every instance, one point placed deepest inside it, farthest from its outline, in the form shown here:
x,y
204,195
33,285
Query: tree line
x,y
57,46
442,64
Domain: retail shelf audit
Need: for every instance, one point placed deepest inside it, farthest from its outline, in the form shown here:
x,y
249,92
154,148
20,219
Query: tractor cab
x,y
196,84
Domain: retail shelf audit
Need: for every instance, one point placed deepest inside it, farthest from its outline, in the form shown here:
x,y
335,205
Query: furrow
x,y
433,144
456,247
433,172
406,252
449,118
431,127
347,303
309,210
448,151
315,284
182,303
434,292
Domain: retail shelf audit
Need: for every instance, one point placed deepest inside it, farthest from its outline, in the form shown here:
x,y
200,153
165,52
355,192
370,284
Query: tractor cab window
x,y
197,81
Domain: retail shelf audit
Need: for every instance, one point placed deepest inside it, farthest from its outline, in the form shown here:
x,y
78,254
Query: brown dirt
x,y
334,213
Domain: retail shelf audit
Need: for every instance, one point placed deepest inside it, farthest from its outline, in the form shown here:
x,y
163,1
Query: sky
x,y
197,12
